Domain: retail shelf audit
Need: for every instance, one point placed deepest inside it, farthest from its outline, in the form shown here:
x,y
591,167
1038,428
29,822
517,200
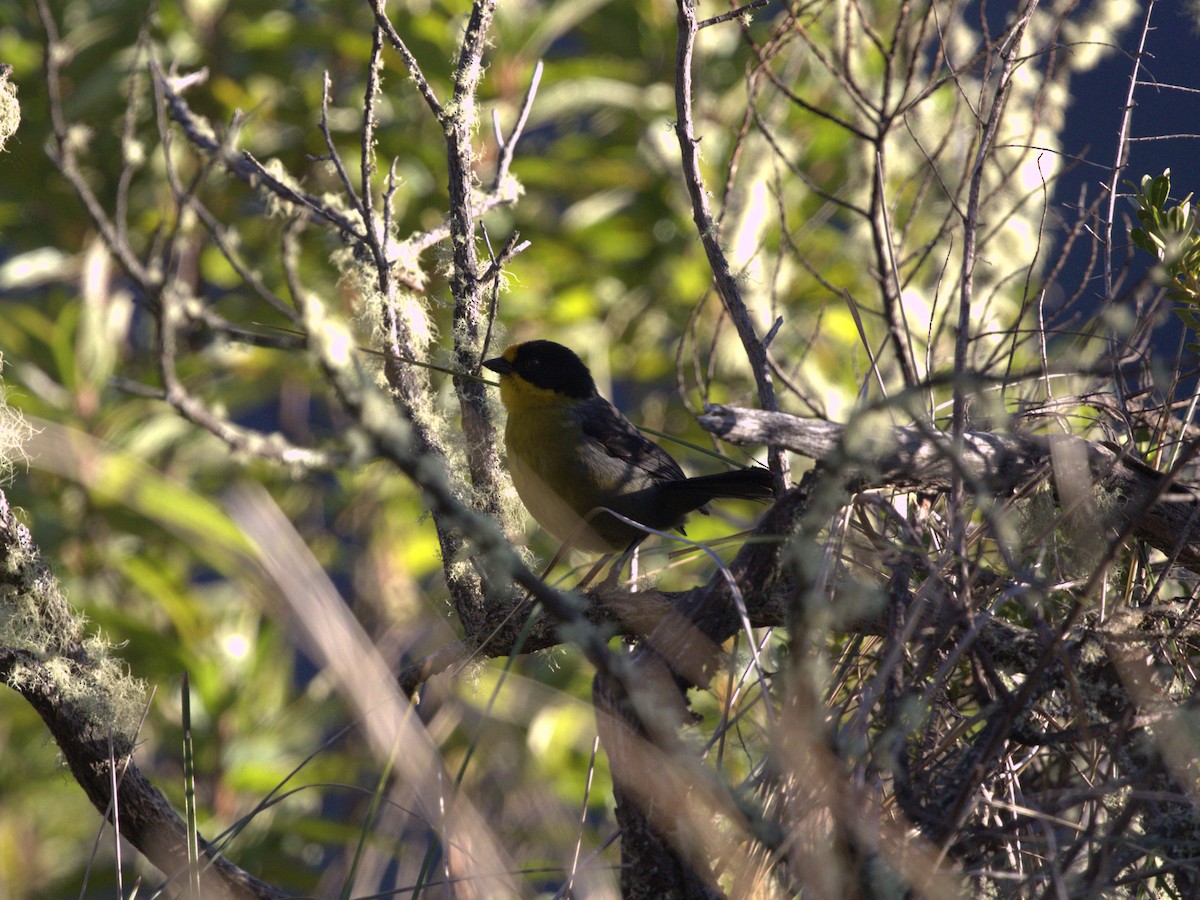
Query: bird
x,y
572,456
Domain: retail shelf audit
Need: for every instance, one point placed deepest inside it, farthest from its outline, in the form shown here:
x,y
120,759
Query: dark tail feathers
x,y
742,484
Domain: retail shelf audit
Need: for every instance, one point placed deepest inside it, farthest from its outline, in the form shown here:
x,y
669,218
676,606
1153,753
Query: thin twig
x,y
509,148
726,285
334,157
740,12
410,61
983,154
242,164
62,152
367,141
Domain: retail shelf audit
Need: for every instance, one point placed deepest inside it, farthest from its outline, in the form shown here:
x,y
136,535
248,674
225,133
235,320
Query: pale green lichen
x,y
10,107
14,432
77,139
77,670
277,205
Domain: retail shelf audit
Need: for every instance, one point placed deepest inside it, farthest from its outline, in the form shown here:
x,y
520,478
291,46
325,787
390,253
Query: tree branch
x,y
706,226
75,694
1163,514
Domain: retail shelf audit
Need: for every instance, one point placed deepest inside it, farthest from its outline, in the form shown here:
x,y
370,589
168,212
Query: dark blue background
x,y
1172,57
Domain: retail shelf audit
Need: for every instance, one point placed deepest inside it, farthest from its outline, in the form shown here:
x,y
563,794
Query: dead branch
x,y
1164,514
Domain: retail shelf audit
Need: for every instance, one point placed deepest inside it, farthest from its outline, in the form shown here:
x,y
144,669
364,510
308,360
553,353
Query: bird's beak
x,y
499,365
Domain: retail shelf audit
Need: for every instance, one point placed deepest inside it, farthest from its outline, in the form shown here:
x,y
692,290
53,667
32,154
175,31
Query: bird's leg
x,y
568,544
558,555
614,574
593,572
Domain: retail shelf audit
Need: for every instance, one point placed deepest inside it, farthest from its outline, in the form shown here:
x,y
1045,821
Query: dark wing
x,y
603,423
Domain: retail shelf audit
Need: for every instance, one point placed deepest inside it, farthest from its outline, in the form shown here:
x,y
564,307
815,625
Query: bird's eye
x,y
533,363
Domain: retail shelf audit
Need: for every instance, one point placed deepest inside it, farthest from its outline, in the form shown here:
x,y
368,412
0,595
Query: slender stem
x,y
983,155
707,228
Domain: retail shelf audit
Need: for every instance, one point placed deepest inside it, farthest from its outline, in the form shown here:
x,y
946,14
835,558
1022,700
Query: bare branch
x,y
243,165
410,61
273,447
336,159
1161,513
509,148
706,227
742,12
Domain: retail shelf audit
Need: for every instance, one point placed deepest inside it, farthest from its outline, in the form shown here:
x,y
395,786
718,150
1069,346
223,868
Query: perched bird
x,y
570,452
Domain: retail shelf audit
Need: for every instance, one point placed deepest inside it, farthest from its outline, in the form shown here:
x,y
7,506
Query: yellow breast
x,y
562,475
